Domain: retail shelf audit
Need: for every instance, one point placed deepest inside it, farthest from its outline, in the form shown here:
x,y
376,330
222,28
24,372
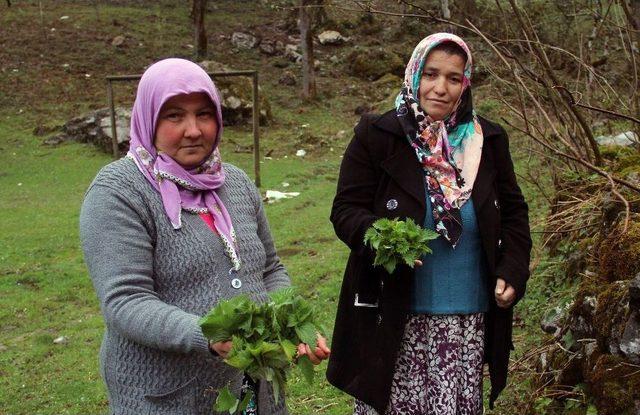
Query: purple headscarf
x,y
193,190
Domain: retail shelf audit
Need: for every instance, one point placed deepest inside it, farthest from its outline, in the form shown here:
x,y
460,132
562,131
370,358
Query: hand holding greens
x,y
396,241
265,339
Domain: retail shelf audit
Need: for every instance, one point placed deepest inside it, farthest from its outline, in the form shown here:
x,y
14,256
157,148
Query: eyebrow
x,y
170,108
431,68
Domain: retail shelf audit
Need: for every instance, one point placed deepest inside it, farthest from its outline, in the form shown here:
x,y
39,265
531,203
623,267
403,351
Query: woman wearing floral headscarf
x,y
167,232
414,342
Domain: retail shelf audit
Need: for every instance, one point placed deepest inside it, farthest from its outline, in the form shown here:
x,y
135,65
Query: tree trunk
x,y
446,13
200,35
306,43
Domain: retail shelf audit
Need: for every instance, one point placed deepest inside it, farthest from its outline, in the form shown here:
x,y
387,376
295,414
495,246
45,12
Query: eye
x,y
429,75
456,80
206,114
172,115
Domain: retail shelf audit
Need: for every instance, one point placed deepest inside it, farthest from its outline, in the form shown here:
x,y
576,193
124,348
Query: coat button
x,y
379,319
392,204
496,203
236,283
499,243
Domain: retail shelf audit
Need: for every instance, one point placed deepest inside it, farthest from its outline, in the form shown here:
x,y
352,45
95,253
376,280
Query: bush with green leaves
x,y
265,339
397,241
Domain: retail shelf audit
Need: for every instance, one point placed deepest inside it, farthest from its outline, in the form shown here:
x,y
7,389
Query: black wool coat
x,y
380,166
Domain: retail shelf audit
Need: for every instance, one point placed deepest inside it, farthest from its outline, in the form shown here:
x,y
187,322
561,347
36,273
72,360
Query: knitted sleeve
x,y
118,251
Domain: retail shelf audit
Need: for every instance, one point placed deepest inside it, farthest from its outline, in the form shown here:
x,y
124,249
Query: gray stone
x,y
244,40
372,64
118,41
551,324
232,102
291,53
630,341
331,37
61,340
268,47
95,127
590,348
625,139
634,293
123,125
288,78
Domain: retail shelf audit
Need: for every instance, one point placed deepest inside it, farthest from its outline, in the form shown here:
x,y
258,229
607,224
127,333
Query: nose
x,y
439,86
192,130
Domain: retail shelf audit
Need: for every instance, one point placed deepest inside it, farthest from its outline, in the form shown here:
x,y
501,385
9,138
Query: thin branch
x,y
573,102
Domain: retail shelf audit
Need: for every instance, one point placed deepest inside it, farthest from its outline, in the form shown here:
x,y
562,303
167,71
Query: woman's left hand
x,y
505,294
320,353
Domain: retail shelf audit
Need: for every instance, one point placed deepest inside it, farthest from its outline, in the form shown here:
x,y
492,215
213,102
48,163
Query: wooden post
x,y
199,33
114,131
256,129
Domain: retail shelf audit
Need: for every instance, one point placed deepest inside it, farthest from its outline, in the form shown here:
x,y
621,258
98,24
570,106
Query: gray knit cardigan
x,y
154,283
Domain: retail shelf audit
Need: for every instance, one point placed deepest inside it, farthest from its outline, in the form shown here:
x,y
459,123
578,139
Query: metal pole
x,y
256,129
114,137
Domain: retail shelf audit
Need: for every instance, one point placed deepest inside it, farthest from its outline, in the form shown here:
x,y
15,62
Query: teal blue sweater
x,y
453,281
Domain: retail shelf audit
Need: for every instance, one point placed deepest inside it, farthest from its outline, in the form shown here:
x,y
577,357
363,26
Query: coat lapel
x,y
402,165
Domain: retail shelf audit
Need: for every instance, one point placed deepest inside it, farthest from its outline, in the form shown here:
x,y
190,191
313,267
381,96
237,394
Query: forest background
x,y
561,76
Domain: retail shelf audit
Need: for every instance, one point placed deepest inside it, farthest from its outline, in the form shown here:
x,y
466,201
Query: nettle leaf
x,y
307,333
306,367
396,241
223,320
289,349
226,402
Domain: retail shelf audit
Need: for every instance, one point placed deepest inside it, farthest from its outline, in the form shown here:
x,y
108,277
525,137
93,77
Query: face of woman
x,y
441,83
187,128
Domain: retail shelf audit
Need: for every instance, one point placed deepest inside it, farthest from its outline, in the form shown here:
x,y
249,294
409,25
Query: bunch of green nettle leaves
x,y
265,340
397,241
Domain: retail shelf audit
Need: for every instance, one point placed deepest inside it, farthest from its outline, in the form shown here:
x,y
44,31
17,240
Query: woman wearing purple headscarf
x,y
167,232
414,342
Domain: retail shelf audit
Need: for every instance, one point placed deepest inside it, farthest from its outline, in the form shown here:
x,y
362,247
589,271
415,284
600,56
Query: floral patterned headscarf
x,y
193,190
449,150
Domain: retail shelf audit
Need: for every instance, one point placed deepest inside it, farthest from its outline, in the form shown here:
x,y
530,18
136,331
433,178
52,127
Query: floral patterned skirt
x,y
439,367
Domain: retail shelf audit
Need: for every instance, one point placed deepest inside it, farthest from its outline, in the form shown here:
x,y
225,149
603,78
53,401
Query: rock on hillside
x,y
595,347
95,127
373,63
235,92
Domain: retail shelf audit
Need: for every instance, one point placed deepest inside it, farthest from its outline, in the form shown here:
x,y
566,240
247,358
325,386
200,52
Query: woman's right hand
x,y
222,349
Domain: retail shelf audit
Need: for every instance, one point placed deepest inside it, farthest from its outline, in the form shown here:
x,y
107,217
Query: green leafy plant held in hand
x,y
265,338
396,241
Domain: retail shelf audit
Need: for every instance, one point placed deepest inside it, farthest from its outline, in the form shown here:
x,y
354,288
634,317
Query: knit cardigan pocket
x,y
174,401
